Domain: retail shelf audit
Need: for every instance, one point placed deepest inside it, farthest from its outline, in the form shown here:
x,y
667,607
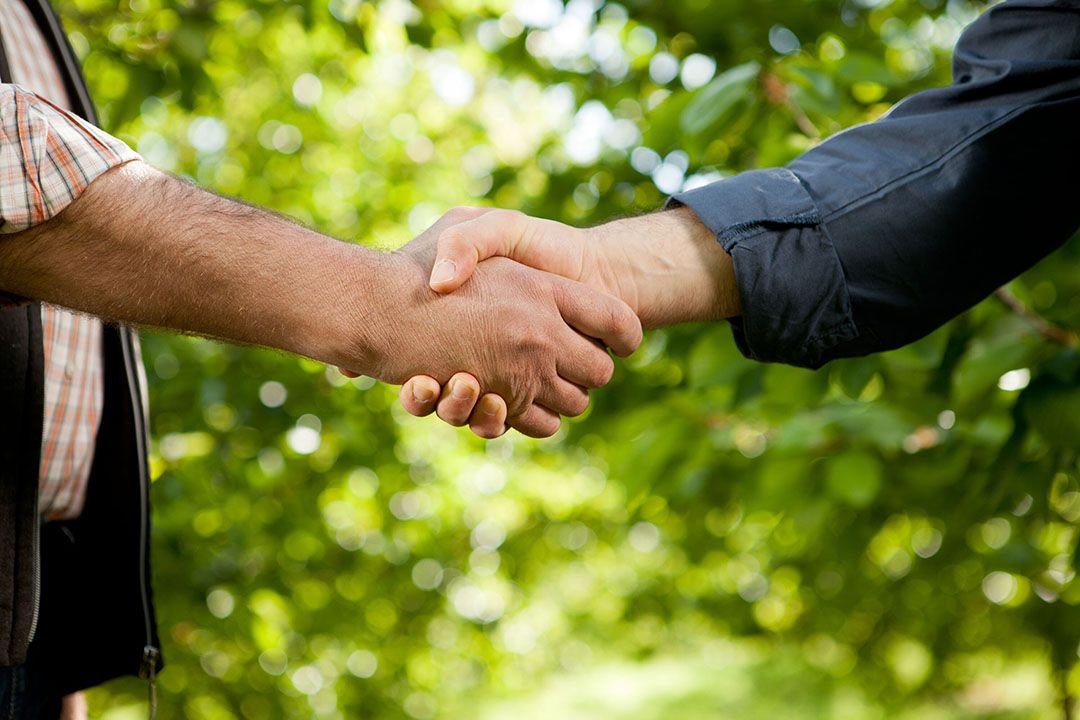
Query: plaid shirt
x,y
47,158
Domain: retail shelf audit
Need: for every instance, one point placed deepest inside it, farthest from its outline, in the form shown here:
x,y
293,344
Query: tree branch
x,y
1047,329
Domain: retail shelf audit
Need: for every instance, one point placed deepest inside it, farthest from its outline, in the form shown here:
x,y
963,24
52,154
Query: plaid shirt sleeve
x,y
48,157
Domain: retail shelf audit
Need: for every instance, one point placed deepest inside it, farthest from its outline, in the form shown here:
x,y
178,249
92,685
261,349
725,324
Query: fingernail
x,y
423,394
444,271
489,406
461,391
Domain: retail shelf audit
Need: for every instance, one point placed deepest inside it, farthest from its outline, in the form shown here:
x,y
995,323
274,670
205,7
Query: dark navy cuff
x,y
791,285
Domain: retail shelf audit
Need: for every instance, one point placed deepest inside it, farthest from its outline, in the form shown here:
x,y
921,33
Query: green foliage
x,y
889,536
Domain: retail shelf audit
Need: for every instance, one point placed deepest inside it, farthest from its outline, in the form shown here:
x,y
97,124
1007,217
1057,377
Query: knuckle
x,y
627,332
458,214
637,334
517,405
617,321
528,338
451,237
506,215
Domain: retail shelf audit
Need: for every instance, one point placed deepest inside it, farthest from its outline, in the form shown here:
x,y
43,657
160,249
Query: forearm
x,y
962,188
145,248
882,233
668,266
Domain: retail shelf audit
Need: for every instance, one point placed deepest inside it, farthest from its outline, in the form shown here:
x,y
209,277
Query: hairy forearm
x,y
145,248
669,267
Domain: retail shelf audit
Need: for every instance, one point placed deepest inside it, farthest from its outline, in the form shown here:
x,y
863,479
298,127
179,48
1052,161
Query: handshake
x,y
489,318
500,320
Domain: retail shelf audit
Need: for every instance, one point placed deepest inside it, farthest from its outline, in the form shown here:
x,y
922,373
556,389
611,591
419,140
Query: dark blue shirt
x,y
887,230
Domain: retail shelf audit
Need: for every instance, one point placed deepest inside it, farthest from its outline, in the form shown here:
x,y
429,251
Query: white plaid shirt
x,y
47,158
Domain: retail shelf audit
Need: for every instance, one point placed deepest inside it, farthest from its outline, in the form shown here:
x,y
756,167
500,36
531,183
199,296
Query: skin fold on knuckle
x,y
621,326
522,410
460,214
516,385
452,241
506,219
519,400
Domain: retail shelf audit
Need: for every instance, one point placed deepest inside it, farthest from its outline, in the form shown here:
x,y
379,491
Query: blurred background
x,y
892,536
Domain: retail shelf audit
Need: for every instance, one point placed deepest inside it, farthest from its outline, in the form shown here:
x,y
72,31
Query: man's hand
x,y
523,334
668,267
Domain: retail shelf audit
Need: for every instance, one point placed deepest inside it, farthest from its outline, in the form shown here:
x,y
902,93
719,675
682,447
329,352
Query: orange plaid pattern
x,y
47,158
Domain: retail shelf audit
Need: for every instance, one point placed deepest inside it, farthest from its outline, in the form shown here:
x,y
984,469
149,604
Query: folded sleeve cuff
x,y
794,295
48,157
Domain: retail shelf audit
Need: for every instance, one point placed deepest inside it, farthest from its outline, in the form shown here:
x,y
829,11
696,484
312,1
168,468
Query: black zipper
x,y
151,654
37,573
37,577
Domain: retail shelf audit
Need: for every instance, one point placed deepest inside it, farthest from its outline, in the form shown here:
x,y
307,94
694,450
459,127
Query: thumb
x,y
462,246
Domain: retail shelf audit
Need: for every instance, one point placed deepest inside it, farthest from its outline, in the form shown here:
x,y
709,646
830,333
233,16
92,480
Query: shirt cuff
x,y
48,157
791,285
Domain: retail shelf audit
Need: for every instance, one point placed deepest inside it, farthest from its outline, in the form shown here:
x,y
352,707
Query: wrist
x,y
614,260
670,268
705,283
348,325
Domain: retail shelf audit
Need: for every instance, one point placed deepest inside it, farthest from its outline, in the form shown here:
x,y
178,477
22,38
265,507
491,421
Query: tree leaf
x,y
710,103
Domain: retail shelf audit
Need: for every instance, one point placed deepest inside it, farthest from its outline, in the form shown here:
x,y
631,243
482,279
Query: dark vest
x,y
75,594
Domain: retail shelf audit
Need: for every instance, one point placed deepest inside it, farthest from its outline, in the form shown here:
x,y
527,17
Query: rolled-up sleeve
x,y
48,156
884,232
